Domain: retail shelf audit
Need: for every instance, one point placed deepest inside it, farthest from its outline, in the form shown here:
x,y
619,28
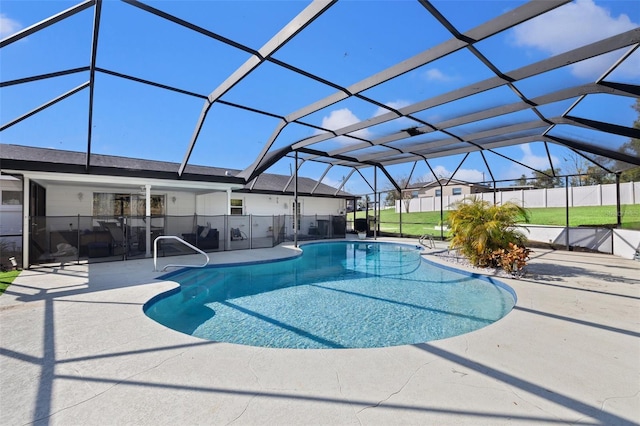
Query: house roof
x,y
23,158
443,182
500,95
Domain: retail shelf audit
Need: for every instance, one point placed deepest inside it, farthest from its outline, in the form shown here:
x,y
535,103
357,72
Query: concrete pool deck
x,y
76,349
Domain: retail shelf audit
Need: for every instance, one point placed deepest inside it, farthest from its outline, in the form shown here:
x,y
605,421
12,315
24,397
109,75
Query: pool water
x,y
335,295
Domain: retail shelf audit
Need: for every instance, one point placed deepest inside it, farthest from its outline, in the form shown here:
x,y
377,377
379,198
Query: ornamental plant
x,y
512,259
478,229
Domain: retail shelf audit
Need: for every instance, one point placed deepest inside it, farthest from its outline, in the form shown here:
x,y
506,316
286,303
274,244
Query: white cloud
x,y
434,74
538,162
398,123
331,182
8,26
394,104
573,25
469,175
340,118
439,171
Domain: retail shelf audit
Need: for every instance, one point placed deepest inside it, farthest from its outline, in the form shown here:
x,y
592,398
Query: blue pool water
x,y
335,295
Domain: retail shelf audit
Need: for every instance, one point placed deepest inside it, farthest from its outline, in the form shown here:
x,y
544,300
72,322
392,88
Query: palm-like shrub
x,y
478,229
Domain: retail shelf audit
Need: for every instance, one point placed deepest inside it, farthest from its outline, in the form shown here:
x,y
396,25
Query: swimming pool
x,y
335,295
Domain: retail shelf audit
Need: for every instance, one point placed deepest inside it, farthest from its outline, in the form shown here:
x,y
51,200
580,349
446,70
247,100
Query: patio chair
x,y
118,244
237,234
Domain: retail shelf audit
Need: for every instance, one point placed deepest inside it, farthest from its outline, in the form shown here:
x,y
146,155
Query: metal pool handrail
x,y
430,242
173,237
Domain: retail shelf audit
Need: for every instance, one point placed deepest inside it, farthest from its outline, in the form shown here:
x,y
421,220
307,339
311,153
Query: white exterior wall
x,y
184,204
268,205
211,204
65,200
260,205
320,206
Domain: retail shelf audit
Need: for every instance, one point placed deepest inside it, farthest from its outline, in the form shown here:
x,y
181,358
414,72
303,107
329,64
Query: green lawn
x,y
428,222
6,278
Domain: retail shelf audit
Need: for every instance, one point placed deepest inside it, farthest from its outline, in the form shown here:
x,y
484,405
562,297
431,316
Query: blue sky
x,y
350,42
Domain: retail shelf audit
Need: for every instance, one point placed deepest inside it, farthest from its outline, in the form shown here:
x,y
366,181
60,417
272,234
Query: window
x,y
438,192
108,204
237,206
13,198
457,191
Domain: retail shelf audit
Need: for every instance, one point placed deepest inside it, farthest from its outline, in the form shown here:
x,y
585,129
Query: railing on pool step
x,y
173,237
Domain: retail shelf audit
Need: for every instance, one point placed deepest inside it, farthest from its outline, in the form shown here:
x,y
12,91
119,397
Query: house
x,y
118,209
437,194
446,187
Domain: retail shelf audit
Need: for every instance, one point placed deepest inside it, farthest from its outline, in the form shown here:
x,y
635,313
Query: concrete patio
x,y
76,349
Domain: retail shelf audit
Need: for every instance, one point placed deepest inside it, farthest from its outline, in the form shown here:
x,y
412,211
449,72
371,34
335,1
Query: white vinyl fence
x,y
594,195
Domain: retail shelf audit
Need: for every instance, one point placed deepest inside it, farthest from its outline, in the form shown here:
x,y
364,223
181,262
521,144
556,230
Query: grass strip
x,y
420,223
6,278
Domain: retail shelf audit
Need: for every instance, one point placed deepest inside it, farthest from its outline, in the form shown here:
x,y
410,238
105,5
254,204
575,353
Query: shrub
x,y
512,259
478,229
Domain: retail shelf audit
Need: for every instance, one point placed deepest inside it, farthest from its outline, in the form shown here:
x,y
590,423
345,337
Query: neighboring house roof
x,y
444,182
25,158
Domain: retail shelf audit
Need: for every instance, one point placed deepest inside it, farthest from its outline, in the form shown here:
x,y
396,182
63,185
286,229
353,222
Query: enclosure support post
x,y
27,229
147,214
78,240
400,217
618,208
494,192
355,211
295,204
375,202
566,192
441,212
250,231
